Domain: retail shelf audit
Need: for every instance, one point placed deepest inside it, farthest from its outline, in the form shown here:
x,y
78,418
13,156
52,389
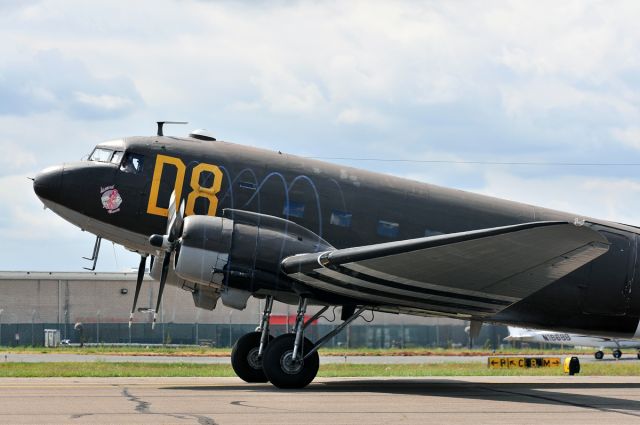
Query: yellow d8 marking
x,y
197,191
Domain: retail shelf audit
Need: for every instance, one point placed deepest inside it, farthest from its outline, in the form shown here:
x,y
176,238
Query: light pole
x,y
1,310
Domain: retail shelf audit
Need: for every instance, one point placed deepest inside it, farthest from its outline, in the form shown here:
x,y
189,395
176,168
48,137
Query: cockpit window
x,y
101,155
117,156
132,163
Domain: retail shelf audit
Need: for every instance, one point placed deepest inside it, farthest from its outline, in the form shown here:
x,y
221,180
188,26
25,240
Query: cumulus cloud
x,y
629,136
605,198
48,81
364,116
100,106
15,158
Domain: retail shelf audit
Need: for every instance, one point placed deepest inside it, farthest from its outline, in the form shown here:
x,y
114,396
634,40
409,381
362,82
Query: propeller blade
x,y
171,216
141,267
172,208
163,280
176,222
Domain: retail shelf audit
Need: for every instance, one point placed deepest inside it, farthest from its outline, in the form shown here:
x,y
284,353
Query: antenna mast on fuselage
x,y
162,123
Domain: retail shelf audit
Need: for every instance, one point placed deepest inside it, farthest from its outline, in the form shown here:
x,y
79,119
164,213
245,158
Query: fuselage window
x,y
388,229
340,218
132,163
247,185
293,209
429,232
101,155
117,156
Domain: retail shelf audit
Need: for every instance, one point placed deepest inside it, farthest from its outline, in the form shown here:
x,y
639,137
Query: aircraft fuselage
x,y
344,206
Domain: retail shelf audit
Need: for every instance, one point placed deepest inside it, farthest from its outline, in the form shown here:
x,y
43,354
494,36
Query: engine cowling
x,y
204,250
204,297
241,249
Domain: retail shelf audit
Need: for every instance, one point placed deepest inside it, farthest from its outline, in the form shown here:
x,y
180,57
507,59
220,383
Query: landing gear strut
x,y
291,360
247,352
284,364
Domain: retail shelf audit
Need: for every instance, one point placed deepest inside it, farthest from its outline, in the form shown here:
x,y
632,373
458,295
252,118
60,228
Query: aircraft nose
x,y
48,182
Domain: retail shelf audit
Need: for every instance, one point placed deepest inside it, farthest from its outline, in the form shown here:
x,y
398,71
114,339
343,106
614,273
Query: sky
x,y
462,81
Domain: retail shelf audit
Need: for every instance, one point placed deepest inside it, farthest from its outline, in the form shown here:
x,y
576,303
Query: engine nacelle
x,y
204,250
241,249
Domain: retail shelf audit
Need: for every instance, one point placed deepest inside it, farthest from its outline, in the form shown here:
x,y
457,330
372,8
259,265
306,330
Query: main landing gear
x,y
247,352
288,361
617,354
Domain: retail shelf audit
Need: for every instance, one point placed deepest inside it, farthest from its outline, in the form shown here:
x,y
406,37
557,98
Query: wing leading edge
x,y
476,273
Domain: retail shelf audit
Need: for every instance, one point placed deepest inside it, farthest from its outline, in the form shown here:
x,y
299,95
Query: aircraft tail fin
x,y
516,334
513,331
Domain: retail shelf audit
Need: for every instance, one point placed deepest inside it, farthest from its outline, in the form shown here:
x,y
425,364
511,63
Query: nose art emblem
x,y
111,199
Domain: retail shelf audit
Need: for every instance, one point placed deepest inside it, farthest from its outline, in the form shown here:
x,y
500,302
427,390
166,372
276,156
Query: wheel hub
x,y
254,359
288,365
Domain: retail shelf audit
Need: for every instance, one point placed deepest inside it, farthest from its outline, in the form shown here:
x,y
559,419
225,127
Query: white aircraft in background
x,y
560,338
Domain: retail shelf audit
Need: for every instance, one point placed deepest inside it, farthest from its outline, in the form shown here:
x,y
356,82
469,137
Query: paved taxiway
x,y
461,400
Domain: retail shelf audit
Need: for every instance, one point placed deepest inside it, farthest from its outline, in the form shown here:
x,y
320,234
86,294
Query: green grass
x,y
107,369
469,369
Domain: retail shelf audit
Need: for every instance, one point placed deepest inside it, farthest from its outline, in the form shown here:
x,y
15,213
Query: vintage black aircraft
x,y
226,221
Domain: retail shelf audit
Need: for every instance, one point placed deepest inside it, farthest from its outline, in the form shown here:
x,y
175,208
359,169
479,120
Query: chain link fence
x,y
224,335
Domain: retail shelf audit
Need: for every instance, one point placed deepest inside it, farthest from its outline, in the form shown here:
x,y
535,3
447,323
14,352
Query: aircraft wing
x,y
476,273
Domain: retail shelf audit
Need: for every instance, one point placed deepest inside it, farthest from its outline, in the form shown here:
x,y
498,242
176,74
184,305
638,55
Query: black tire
x,y
638,355
281,372
617,354
598,355
244,358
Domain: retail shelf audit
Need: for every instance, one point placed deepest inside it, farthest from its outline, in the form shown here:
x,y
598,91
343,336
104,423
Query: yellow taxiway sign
x,y
522,362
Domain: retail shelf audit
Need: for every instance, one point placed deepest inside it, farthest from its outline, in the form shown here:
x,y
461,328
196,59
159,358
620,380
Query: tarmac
x,y
207,401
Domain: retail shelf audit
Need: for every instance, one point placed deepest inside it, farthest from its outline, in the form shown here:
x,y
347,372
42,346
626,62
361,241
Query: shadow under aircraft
x,y
227,222
572,393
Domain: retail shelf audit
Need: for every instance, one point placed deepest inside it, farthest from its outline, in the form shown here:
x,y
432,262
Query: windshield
x,y
101,155
117,156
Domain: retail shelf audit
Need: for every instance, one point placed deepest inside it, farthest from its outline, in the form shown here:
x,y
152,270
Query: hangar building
x,y
31,302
